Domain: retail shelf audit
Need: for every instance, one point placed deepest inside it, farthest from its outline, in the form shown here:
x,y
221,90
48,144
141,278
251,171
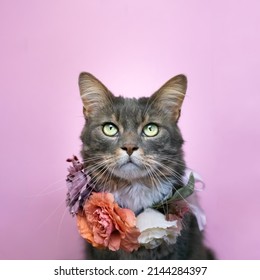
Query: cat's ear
x,y
170,96
94,94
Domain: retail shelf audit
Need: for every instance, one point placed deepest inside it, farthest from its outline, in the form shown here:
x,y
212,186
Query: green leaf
x,y
179,194
185,191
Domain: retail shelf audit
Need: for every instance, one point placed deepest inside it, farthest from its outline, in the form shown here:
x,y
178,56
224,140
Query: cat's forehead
x,y
129,111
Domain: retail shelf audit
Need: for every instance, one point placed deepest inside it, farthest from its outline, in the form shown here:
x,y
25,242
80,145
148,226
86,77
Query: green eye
x,y
110,129
151,130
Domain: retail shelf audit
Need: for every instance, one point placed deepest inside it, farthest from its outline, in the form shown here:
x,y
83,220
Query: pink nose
x,y
129,148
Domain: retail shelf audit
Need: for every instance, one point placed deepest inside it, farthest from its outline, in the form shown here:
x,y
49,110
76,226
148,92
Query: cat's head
x,y
128,139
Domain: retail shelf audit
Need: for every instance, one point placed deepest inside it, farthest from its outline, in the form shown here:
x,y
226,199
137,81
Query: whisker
x,y
60,224
165,167
158,179
162,175
49,216
51,185
47,193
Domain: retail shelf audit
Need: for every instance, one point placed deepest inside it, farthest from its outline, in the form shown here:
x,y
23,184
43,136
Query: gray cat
x,y
132,148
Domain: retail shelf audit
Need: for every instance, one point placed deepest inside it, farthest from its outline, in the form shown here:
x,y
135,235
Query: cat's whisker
x,y
98,166
109,177
154,171
99,173
49,216
104,178
110,173
95,167
184,199
153,175
157,178
174,160
43,191
60,225
46,193
167,168
90,158
51,185
167,179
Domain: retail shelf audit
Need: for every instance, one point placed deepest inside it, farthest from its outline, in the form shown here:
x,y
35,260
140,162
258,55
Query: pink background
x,y
133,47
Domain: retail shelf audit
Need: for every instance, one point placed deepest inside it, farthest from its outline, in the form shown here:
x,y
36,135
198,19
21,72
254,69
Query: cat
x,y
133,149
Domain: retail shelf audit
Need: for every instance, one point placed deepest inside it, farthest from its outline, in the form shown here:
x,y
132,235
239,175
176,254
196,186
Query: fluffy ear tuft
x,y
170,96
94,94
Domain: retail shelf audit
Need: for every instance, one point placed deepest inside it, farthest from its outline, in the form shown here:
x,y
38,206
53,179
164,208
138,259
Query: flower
x,y
155,229
177,210
78,184
105,225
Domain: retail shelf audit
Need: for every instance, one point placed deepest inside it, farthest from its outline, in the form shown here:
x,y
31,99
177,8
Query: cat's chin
x,y
130,171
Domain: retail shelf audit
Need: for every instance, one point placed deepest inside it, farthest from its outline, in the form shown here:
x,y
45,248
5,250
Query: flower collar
x,y
103,223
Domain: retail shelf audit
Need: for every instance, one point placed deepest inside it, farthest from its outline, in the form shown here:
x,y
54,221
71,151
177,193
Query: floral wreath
x,y
104,224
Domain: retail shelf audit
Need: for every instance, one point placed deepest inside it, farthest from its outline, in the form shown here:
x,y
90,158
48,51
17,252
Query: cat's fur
x,y
137,169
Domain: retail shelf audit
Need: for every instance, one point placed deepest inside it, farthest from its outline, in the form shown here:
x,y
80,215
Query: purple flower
x,y
78,184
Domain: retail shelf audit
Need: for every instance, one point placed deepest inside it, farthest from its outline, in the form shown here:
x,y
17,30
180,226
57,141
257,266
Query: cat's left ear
x,y
170,96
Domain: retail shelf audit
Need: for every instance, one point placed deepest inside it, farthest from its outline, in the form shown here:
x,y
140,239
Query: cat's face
x,y
132,140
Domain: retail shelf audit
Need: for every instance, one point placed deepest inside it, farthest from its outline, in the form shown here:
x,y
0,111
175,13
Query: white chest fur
x,y
138,196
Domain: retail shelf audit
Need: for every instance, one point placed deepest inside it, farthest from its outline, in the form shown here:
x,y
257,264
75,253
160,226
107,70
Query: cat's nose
x,y
129,148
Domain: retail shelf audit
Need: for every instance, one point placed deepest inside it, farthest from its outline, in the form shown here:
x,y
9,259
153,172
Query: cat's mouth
x,y
130,160
130,169
129,165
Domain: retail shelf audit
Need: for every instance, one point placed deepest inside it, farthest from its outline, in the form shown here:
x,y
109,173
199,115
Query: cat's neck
x,y
138,196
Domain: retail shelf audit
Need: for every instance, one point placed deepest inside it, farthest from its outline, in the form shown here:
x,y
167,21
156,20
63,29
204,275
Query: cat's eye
x,y
109,129
151,130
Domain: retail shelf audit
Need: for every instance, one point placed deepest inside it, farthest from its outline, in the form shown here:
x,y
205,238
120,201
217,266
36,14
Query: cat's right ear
x,y
94,94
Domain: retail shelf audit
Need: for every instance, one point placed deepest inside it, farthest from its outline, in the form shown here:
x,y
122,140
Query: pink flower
x,y
78,184
177,209
105,225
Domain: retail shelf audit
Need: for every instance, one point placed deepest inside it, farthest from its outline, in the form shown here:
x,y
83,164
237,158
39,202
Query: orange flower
x,y
105,225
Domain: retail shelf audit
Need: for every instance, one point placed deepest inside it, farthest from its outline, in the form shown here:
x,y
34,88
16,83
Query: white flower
x,y
155,229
